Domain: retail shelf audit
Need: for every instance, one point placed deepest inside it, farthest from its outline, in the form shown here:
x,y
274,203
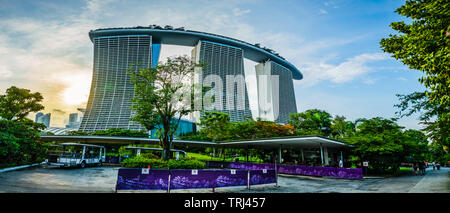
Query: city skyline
x,y
334,44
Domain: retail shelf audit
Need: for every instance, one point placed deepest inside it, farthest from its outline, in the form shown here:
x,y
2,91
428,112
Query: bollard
x,y
248,179
168,185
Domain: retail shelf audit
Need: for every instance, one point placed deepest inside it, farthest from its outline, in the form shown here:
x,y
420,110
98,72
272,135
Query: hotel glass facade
x,y
276,98
111,91
223,60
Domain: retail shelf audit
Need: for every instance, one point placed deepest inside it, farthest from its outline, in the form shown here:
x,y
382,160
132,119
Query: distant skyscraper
x,y
38,115
276,98
223,60
43,119
111,91
73,121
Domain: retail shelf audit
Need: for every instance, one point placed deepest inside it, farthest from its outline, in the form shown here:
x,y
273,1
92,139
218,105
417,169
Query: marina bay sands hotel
x,y
115,49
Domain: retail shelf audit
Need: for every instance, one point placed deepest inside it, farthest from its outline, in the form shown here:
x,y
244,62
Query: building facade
x,y
43,118
276,98
111,91
227,63
118,49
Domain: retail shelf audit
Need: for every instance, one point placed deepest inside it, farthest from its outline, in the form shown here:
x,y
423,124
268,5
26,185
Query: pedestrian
x,y
438,166
424,168
434,166
341,163
421,168
415,168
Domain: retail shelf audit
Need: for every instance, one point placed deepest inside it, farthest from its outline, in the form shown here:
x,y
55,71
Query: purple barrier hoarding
x,y
263,176
138,179
158,179
317,171
191,179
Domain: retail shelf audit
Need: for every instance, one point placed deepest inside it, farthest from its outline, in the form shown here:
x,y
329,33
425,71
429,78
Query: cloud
x,y
346,71
239,12
322,12
58,111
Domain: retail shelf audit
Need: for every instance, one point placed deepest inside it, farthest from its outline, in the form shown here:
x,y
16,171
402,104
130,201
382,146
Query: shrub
x,y
142,162
186,164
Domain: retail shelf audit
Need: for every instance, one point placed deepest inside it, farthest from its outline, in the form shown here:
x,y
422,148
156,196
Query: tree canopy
x,y
424,44
163,95
17,103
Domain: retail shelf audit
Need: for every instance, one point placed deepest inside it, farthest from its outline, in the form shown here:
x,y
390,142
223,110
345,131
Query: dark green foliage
x,y
436,119
424,44
113,132
121,132
77,133
216,126
385,145
312,122
20,143
18,102
142,162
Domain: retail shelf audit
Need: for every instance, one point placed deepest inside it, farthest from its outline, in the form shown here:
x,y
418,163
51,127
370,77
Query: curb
x,y
19,167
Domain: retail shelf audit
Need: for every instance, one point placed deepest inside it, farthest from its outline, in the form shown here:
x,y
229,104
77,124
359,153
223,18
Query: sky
x,y
45,47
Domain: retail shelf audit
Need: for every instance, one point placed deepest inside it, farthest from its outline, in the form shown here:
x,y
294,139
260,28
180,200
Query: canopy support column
x,y
321,154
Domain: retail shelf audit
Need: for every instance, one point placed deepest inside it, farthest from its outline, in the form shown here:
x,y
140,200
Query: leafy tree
x,y
342,128
215,125
434,116
20,142
313,121
17,103
385,145
424,44
160,97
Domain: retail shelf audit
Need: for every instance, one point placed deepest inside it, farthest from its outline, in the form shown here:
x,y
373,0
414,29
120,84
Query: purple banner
x,y
187,179
262,177
134,179
155,179
317,171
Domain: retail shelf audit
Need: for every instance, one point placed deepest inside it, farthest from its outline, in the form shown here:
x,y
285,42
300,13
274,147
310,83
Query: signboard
x,y
264,171
366,163
233,171
194,172
145,171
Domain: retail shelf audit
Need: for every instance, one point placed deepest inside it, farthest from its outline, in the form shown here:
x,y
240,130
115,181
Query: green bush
x,y
20,143
142,162
186,164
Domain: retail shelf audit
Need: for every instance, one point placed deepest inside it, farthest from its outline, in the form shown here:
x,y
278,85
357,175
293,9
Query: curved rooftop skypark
x,y
116,48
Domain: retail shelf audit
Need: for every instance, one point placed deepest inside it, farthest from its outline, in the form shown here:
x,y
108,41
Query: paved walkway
x,y
434,181
103,179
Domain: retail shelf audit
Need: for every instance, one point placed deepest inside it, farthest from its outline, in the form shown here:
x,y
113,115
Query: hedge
x,y
142,162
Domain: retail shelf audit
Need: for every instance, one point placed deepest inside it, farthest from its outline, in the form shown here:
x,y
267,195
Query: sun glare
x,y
77,90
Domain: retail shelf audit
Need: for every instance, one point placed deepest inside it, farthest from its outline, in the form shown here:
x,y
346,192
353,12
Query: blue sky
x,y
44,46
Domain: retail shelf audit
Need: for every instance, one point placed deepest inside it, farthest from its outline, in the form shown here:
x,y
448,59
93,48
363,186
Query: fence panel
x,y
262,177
191,179
317,171
139,179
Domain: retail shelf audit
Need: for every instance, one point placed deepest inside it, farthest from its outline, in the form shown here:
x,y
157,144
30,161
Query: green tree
x,y
342,128
312,121
17,103
424,44
215,125
434,116
162,97
385,145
